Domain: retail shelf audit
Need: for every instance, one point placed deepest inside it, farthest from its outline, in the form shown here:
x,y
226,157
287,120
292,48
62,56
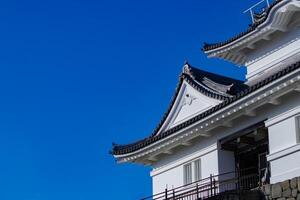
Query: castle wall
x,y
168,170
274,54
284,146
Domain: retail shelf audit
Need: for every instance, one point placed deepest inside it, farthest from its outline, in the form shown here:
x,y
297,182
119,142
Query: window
x,y
192,172
187,173
197,170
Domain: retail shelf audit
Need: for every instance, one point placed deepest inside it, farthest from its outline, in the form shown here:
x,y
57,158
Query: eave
x,y
277,20
194,78
265,92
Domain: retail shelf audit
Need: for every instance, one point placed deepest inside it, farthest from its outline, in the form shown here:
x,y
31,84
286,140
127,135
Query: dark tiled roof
x,y
195,78
259,19
234,86
124,149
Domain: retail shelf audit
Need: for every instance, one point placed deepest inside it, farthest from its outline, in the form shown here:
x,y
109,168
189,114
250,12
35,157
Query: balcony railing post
x,y
211,185
197,191
173,194
215,187
166,194
238,180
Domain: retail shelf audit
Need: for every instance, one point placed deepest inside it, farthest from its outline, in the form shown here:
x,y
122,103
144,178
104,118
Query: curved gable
x,y
193,97
189,102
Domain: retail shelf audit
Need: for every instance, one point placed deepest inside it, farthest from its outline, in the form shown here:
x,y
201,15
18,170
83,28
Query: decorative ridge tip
x,y
187,69
186,61
114,145
205,46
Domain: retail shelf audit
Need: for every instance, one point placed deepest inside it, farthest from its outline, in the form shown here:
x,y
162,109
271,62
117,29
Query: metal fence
x,y
209,187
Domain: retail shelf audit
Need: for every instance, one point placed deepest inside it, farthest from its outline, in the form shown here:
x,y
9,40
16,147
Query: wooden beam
x,y
246,140
187,143
147,163
251,46
258,144
267,37
260,132
204,134
169,152
256,132
227,124
274,102
280,28
228,147
242,132
152,159
250,113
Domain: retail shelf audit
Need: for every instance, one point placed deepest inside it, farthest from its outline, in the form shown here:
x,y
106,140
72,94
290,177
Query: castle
x,y
220,136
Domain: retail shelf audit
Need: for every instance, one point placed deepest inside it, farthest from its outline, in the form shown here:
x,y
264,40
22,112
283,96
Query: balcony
x,y
231,185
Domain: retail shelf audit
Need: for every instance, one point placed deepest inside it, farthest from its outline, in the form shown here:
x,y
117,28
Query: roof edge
x,y
252,27
130,148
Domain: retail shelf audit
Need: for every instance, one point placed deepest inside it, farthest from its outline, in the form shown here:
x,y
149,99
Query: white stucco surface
x,y
168,170
284,145
188,103
273,55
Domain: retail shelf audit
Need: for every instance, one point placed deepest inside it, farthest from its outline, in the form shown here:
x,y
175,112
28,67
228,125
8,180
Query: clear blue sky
x,y
77,75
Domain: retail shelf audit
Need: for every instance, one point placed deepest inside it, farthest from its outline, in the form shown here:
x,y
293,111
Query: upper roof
x,y
259,18
129,148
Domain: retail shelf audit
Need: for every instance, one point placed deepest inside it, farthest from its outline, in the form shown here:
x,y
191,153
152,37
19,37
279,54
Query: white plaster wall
x,y
286,167
169,169
209,164
274,54
282,135
284,145
173,177
169,179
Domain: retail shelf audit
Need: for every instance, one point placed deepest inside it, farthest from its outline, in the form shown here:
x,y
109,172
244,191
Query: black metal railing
x,y
209,187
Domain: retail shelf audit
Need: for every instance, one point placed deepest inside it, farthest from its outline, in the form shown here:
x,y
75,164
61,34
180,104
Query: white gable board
x,y
189,103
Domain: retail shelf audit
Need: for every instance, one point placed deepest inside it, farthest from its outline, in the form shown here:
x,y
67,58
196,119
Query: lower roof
x,y
129,148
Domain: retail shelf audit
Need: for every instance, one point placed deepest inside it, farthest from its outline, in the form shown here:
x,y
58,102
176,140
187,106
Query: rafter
x,y
246,140
250,113
274,102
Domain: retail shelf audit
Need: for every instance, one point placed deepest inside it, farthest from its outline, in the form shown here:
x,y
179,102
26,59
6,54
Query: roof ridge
x,y
215,74
208,82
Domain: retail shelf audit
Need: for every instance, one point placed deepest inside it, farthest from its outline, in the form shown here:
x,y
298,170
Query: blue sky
x,y
77,75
